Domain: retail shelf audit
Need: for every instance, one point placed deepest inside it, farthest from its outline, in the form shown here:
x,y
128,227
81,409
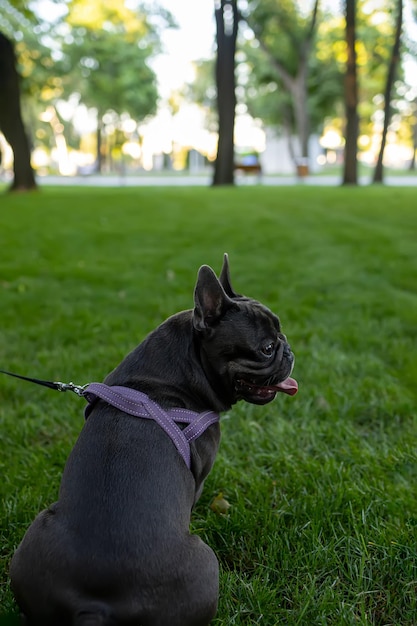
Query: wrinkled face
x,y
249,351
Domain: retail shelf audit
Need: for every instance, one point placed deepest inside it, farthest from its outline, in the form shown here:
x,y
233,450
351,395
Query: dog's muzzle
x,y
258,390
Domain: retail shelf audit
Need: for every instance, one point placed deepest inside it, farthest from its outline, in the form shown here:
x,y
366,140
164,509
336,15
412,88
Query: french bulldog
x,y
116,548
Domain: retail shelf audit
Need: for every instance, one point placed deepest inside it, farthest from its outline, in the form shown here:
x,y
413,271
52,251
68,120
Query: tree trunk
x,y
392,69
300,93
350,175
287,125
11,123
301,115
412,165
227,18
99,143
296,85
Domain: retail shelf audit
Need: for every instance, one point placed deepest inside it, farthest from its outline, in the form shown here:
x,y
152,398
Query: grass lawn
x,y
322,527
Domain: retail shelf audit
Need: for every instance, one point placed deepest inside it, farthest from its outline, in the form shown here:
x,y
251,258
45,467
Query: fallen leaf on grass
x,y
220,505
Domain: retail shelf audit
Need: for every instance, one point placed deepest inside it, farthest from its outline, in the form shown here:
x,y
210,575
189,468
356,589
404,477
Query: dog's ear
x,y
210,299
224,278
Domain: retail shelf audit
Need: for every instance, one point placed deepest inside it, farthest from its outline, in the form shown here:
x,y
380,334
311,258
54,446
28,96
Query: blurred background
x,y
129,87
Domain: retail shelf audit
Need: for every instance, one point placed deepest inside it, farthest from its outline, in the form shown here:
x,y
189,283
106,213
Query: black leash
x,y
57,386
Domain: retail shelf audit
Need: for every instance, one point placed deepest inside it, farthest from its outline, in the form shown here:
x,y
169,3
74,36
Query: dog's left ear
x,y
224,278
210,299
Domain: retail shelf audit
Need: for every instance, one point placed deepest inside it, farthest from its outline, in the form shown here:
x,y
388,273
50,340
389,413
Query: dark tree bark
x,y
227,19
350,174
392,70
11,123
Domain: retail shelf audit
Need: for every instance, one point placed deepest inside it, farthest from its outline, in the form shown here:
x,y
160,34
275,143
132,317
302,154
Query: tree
x,y
392,69
350,173
106,58
227,19
122,38
267,98
11,122
33,39
412,165
110,74
286,35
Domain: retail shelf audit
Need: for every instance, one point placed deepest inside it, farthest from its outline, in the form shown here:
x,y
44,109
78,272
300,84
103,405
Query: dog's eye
x,y
268,349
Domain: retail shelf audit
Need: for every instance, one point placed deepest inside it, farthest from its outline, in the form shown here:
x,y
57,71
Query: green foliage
x,y
325,90
15,15
110,72
264,95
203,90
376,38
282,26
105,57
276,58
97,49
321,527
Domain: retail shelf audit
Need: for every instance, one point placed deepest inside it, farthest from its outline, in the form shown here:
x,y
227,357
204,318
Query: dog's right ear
x,y
224,278
210,299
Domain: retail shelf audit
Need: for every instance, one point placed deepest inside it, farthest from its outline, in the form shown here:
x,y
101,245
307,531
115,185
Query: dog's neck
x,y
141,369
215,380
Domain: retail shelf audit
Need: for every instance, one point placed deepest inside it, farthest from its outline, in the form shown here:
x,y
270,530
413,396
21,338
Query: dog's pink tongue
x,y
289,386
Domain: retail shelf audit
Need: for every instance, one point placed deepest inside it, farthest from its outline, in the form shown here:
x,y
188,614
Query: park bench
x,y
249,164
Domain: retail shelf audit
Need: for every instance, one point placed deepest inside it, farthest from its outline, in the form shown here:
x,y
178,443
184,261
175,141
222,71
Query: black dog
x,y
116,549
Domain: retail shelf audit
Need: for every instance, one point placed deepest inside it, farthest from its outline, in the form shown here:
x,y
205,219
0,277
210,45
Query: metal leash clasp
x,y
77,389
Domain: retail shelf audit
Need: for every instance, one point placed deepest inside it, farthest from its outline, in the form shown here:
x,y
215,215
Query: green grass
x,y
322,528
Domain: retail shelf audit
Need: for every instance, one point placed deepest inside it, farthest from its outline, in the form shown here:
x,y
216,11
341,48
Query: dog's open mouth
x,y
261,394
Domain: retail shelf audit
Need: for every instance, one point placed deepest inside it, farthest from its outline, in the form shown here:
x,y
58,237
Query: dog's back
x,y
123,511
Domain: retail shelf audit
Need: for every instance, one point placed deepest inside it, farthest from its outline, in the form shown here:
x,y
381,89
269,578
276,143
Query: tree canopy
x,y
96,49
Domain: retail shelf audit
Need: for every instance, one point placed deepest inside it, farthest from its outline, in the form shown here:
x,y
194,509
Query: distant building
x,y
276,159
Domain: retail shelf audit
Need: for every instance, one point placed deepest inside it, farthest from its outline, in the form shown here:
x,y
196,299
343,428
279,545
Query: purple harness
x,y
140,405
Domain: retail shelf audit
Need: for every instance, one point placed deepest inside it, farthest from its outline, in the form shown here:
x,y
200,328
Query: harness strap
x,y
139,404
